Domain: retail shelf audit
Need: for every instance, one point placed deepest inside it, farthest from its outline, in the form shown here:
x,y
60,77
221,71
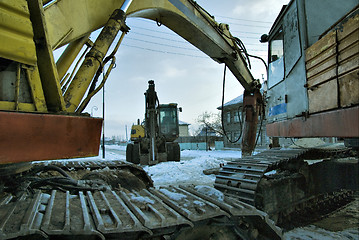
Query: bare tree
x,y
211,121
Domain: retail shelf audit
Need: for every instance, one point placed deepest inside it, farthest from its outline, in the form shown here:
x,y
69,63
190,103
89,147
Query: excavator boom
x,y
69,23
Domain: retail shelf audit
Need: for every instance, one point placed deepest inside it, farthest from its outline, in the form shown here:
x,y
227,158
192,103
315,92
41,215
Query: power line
x,y
172,53
152,30
174,46
151,36
230,23
160,51
174,34
185,42
241,19
162,44
259,33
237,19
247,25
178,41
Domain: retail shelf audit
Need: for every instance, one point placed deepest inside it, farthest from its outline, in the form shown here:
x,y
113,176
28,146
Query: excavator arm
x,y
188,20
51,90
185,17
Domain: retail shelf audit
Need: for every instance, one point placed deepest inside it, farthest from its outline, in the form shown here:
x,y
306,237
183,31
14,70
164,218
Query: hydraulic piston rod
x,y
94,58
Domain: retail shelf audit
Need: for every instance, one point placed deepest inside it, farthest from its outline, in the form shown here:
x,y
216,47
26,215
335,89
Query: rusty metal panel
x,y
29,137
337,123
16,35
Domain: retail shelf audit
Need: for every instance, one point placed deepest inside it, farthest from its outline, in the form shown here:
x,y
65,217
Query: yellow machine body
x,y
137,131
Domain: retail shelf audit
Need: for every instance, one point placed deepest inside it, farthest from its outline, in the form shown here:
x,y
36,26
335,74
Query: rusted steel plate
x,y
338,123
27,137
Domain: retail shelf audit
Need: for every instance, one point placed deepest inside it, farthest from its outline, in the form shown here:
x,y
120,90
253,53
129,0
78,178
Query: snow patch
x,y
116,147
141,199
173,195
199,203
211,154
184,172
271,173
210,191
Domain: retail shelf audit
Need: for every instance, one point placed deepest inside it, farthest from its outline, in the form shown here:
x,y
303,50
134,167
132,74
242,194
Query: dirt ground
x,y
346,217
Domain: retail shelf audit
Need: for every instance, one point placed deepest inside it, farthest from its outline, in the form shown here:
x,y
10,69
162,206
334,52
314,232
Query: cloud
x,y
258,10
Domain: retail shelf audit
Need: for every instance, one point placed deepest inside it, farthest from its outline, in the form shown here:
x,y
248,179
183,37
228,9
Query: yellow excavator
x,y
153,141
41,118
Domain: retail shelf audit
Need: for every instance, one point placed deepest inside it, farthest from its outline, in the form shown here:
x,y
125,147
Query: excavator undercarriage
x,y
287,183
115,200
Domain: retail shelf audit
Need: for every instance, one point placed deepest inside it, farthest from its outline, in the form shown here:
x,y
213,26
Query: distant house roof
x,y
234,101
209,132
182,123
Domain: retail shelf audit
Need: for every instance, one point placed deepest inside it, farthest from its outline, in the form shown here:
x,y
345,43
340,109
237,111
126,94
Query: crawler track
x,y
282,184
241,177
112,213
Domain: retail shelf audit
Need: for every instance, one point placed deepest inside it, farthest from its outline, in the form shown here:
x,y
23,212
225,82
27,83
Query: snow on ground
x,y
187,171
222,154
115,147
190,169
184,172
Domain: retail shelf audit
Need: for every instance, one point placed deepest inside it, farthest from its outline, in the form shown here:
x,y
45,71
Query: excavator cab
x,y
168,121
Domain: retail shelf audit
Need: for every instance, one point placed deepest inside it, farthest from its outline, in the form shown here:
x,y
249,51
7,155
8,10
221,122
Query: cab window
x,y
276,62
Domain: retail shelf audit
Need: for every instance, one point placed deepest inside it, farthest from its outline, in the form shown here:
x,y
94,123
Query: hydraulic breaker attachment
x,y
253,105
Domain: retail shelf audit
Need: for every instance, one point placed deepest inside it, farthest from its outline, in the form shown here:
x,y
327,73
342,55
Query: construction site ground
x,y
342,224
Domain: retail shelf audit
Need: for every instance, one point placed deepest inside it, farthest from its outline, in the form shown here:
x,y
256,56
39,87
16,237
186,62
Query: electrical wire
x,y
174,34
178,41
242,19
166,52
261,115
243,50
170,52
247,25
162,38
161,44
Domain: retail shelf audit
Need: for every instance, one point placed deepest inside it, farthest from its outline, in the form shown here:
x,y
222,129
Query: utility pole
x,y
206,138
126,133
103,123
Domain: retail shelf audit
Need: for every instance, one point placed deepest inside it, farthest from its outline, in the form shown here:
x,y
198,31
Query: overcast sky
x,y
182,73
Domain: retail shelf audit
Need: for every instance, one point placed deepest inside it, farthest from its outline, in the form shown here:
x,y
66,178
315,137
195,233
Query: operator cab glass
x,y
168,120
276,62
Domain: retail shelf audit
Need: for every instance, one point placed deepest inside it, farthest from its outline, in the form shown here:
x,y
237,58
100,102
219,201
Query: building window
x,y
228,117
236,117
